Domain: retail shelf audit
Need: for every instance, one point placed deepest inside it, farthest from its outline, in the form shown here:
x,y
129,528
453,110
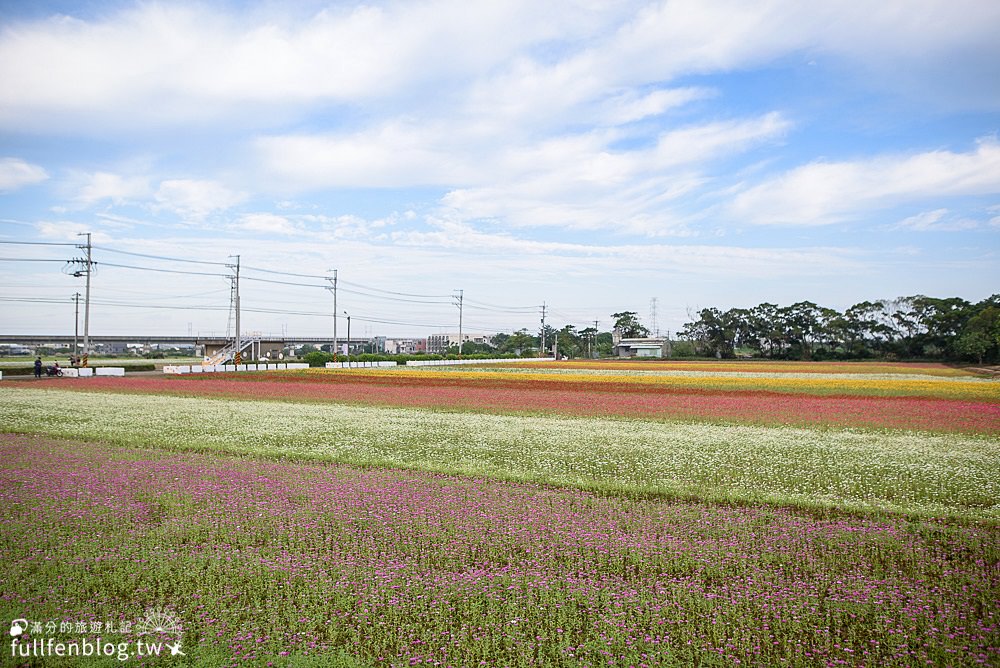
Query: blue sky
x,y
589,155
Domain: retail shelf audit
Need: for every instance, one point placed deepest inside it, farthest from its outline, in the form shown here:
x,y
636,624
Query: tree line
x,y
907,328
917,327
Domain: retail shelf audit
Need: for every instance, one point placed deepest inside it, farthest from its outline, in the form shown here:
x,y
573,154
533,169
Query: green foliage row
x,y
916,327
318,358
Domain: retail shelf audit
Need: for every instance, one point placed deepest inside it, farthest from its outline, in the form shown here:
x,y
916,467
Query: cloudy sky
x,y
589,155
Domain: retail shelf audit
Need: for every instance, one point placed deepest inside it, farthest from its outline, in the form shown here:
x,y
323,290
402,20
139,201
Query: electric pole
x,y
86,307
459,298
541,352
333,281
76,325
348,337
652,309
595,340
237,357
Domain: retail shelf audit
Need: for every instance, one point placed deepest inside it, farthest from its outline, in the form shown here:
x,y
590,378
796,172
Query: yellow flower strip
x,y
762,366
970,390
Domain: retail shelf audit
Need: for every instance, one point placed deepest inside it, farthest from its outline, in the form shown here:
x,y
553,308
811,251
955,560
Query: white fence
x,y
222,368
85,372
414,363
360,365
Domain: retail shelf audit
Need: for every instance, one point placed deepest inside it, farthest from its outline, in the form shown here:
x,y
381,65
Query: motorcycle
x,y
54,371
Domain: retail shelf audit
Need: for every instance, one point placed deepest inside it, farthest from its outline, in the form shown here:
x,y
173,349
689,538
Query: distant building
x,y
404,346
439,343
639,347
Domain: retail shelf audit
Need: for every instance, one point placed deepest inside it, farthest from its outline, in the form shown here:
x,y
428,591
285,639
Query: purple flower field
x,y
267,563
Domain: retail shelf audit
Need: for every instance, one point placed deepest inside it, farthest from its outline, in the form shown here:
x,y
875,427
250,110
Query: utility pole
x,y
594,336
333,282
459,298
237,357
541,352
652,309
86,307
348,336
76,325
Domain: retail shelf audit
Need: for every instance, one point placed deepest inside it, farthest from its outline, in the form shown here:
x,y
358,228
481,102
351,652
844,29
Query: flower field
x,y
625,514
933,398
270,563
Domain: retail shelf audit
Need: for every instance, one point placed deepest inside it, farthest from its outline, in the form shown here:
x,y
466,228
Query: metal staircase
x,y
229,352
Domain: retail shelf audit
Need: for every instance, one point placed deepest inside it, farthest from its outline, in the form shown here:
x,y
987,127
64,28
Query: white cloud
x,y
821,193
576,181
994,212
167,62
16,173
510,253
632,106
70,231
156,62
583,183
265,222
196,199
99,186
392,155
936,221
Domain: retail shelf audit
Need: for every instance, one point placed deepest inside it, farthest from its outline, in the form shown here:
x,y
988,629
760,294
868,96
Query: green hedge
x,y
318,358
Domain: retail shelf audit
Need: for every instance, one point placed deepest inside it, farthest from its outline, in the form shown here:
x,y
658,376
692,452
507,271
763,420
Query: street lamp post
x,y
348,336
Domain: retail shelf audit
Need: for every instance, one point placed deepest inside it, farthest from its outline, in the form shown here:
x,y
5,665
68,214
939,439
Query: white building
x,y
653,346
439,343
404,346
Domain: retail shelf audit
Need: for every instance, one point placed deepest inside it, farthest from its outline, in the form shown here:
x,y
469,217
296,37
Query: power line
x,y
101,302
357,285
348,290
36,243
496,307
283,273
393,292
510,311
165,271
160,257
28,259
269,280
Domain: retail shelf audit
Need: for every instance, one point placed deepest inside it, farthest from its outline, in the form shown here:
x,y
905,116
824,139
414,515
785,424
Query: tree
x,y
605,344
973,343
518,343
473,348
762,322
943,321
588,337
570,342
548,336
627,323
715,332
500,342
981,335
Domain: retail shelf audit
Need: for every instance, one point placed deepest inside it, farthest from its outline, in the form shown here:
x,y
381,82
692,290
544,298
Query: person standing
x,y
38,367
